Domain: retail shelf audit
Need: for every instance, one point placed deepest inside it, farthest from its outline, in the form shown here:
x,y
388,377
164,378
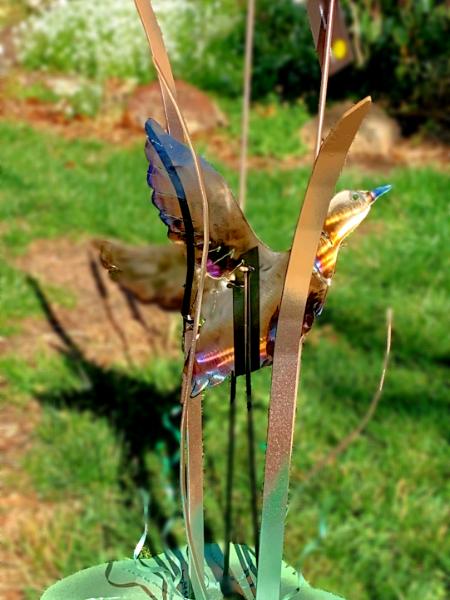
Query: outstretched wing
x,y
154,274
172,176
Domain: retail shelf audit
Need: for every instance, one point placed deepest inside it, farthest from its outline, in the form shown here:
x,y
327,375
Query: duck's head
x,y
348,209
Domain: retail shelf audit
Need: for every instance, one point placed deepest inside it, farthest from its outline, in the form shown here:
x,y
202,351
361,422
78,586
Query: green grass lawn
x,y
372,526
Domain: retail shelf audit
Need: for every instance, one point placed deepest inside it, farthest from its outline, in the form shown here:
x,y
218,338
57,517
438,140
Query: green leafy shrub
x,y
106,39
209,45
284,55
402,55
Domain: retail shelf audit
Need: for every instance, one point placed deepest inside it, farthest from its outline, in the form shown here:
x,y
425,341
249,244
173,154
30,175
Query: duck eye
x,y
355,196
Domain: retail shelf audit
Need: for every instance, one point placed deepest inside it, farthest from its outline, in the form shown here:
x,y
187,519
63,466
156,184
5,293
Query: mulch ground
x,y
111,126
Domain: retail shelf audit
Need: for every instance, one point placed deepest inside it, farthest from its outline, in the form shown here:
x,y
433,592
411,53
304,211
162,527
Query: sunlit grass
x,y
383,505
274,126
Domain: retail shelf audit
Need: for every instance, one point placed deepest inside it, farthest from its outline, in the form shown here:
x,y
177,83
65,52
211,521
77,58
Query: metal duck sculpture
x,y
150,272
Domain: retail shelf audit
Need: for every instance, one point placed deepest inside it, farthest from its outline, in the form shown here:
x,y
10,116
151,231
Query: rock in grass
x,y
200,112
376,138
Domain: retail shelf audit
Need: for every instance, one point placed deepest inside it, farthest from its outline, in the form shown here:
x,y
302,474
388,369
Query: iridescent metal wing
x,y
172,176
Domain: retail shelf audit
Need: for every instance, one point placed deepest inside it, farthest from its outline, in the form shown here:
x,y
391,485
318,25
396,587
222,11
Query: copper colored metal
x,y
288,346
325,73
191,431
246,101
291,316
159,56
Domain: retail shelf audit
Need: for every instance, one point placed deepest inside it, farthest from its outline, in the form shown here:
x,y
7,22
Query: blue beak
x,y
379,191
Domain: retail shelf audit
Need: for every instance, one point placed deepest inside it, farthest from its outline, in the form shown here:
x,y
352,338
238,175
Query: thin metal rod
x,y
250,423
159,55
226,585
352,436
246,101
325,74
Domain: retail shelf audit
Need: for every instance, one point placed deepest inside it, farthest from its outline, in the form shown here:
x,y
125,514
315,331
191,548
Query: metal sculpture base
x,y
166,577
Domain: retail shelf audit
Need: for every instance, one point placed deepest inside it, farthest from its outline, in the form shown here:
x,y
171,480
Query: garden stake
x,y
248,272
250,27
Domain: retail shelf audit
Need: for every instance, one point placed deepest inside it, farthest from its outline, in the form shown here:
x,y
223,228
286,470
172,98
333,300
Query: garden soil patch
x,y
108,126
113,126
103,324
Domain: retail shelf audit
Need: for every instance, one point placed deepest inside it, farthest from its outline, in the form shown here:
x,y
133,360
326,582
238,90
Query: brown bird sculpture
x,y
150,272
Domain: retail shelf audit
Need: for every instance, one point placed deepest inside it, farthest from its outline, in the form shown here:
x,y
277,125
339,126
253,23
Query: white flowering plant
x,y
94,39
106,39
86,101
71,96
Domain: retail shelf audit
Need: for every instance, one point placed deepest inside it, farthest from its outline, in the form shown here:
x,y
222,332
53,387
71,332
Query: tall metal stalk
x,y
325,75
250,420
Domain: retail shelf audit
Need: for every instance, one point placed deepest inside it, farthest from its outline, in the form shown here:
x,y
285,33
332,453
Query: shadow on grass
x,y
143,416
